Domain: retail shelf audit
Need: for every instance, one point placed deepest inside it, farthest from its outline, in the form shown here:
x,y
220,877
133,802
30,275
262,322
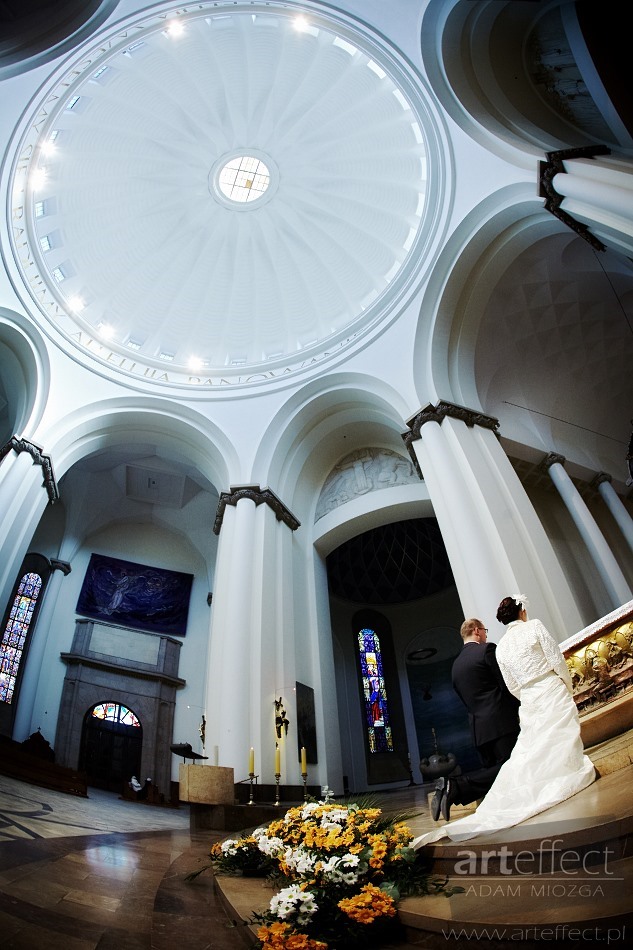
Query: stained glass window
x,y
113,712
375,692
15,633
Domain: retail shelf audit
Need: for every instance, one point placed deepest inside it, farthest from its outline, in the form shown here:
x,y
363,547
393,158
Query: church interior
x,y
316,335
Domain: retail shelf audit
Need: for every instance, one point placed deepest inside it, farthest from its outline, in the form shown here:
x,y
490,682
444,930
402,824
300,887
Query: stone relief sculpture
x,y
363,471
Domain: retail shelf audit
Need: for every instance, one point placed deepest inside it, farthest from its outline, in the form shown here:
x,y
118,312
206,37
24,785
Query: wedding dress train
x,y
547,765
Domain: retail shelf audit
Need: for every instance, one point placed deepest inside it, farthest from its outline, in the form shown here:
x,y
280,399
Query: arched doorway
x,y
111,746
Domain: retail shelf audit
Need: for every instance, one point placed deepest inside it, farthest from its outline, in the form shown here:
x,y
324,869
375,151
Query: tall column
x,y
23,498
244,660
606,565
229,686
23,725
614,503
592,193
493,537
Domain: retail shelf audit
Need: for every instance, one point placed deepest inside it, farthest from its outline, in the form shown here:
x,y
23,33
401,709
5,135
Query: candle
x,y
277,760
251,762
216,755
304,760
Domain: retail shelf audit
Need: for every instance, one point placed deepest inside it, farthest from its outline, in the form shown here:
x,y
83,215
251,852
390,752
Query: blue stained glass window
x,y
15,633
375,692
113,712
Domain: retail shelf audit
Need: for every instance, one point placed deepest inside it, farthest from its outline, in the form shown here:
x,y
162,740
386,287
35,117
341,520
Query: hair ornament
x,y
521,601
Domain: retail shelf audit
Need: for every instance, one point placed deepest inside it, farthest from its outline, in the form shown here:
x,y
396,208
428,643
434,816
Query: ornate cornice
x,y
552,458
436,414
63,566
554,166
443,409
261,496
36,453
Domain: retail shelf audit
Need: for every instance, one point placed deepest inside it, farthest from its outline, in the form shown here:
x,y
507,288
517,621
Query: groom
x,y
493,714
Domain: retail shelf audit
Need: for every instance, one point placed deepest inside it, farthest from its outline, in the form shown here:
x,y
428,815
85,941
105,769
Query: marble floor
x,y
80,873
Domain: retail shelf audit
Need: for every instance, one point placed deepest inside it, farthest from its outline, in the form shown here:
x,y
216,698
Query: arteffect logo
x,y
550,867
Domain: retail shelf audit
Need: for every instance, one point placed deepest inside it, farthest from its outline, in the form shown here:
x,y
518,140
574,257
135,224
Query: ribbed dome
x,y
133,235
393,564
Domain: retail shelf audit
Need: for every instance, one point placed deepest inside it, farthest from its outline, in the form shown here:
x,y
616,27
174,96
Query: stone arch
x,y
24,376
484,245
503,87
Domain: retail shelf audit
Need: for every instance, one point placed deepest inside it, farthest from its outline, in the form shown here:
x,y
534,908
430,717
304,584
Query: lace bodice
x,y
526,651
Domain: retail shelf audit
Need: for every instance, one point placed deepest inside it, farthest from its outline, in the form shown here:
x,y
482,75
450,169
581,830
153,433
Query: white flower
x,y
308,809
350,860
349,878
334,818
228,846
293,900
300,860
307,908
272,847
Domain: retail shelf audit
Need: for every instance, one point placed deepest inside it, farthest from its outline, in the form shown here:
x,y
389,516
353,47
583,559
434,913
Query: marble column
x,y
495,541
614,503
23,498
247,660
592,192
605,563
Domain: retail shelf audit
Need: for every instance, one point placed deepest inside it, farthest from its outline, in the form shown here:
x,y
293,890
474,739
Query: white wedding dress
x,y
547,764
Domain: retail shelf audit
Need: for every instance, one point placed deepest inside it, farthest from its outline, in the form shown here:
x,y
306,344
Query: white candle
x,y
304,760
251,762
277,761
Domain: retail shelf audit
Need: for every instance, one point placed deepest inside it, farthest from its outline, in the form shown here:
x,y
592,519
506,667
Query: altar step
x,y
570,867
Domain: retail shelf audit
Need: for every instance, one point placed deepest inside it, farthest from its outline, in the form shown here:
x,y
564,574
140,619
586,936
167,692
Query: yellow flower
x,y
272,936
369,904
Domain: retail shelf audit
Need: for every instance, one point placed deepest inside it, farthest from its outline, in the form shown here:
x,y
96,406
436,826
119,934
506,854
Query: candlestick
x,y
277,777
252,779
251,761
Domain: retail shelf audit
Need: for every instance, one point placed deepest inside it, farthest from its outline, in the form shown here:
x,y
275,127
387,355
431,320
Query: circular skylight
x,y
139,157
243,179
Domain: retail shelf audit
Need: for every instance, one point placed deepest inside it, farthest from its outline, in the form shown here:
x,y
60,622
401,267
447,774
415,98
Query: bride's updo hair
x,y
508,610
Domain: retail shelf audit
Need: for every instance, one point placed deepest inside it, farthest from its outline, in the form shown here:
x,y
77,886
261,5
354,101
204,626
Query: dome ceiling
x,y
392,564
141,254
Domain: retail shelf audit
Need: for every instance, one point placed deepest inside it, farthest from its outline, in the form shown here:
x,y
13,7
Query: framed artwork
x,y
135,595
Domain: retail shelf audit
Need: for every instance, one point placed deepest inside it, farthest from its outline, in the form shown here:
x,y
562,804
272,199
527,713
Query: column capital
x,y
552,459
437,413
63,566
553,201
23,445
600,478
261,496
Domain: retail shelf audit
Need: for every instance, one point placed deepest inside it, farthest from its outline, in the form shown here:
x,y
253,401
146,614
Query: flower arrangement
x,y
240,856
339,871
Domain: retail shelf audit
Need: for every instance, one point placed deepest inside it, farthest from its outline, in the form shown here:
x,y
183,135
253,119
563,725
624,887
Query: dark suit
x,y
493,713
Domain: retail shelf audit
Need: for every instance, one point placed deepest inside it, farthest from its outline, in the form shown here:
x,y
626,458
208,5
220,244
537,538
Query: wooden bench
x,y
17,762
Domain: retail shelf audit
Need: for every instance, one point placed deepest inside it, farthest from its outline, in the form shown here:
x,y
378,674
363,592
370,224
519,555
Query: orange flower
x,y
367,905
272,936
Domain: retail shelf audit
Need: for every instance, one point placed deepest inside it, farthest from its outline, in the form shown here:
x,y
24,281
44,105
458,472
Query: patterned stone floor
x,y
101,872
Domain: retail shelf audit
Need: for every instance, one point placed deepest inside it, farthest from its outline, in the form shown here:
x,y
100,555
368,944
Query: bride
x,y
547,764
